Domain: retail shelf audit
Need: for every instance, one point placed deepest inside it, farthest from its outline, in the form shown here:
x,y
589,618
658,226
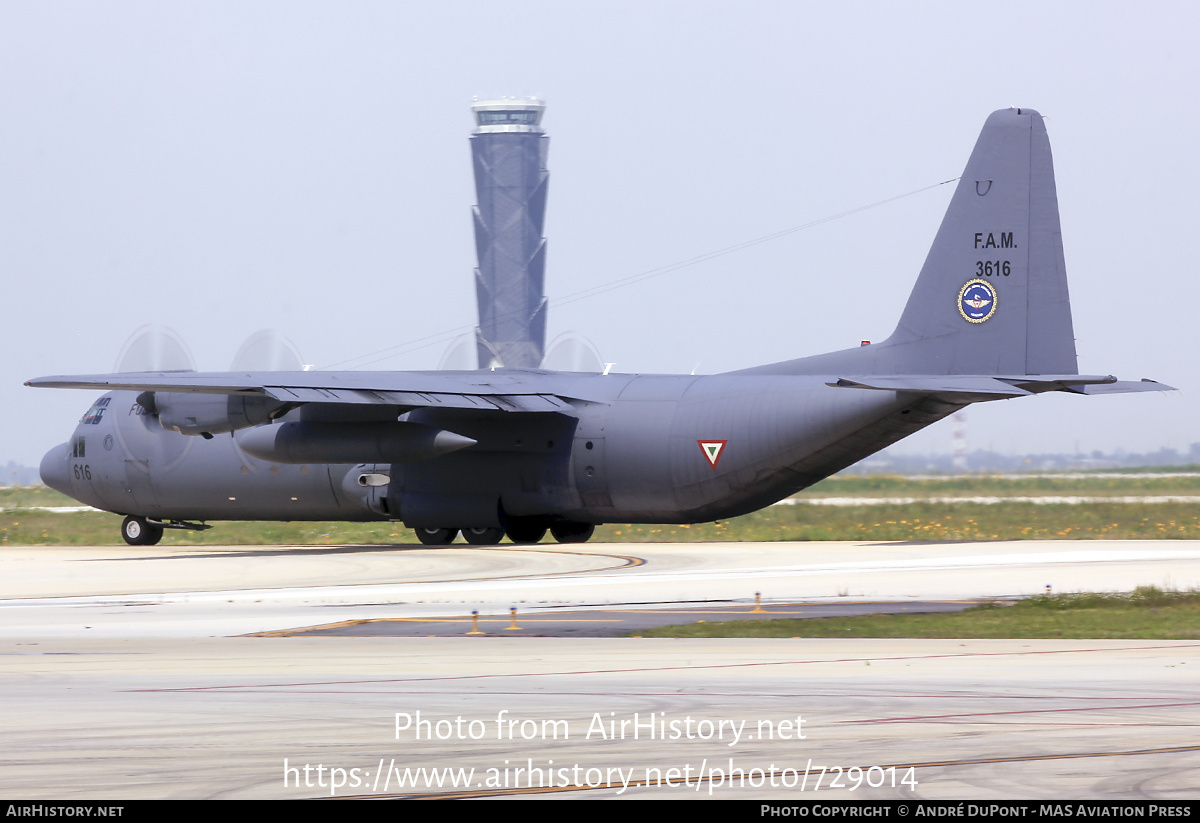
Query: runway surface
x,y
131,673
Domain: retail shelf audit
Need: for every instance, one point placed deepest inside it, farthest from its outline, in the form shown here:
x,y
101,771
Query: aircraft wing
x,y
535,391
483,391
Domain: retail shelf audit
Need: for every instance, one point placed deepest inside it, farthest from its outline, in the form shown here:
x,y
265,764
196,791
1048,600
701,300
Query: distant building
x,y
509,151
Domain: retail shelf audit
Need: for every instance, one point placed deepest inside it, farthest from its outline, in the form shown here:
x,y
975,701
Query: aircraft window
x,y
77,448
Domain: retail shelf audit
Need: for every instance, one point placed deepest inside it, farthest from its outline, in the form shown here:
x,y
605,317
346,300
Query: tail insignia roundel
x,y
713,449
977,301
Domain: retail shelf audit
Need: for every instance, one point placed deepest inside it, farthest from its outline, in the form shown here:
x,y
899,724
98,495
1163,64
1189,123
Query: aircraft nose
x,y
56,468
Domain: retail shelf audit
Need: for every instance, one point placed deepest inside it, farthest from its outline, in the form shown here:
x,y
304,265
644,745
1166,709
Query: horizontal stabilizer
x,y
973,387
1120,387
986,387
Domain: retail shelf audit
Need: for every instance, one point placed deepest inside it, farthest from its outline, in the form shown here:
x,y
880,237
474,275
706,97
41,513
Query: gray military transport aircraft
x,y
520,451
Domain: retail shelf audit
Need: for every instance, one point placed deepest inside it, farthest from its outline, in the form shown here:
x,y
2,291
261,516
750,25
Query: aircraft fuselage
x,y
645,449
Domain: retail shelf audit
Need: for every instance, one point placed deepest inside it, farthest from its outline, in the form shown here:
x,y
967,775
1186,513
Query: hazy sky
x,y
221,168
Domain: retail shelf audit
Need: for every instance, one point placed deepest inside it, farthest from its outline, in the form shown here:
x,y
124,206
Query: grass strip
x,y
920,522
1147,613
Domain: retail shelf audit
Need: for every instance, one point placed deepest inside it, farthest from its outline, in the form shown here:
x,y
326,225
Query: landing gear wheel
x,y
525,533
137,532
436,537
486,536
572,532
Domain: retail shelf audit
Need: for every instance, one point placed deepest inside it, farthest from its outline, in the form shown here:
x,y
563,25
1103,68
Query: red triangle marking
x,y
712,449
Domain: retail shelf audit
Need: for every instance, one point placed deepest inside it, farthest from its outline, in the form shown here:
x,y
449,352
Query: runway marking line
x,y
628,562
1046,724
443,678
931,717
778,695
757,695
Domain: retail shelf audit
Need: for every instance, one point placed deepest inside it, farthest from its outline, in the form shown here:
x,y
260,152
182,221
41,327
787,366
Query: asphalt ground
x,y
211,672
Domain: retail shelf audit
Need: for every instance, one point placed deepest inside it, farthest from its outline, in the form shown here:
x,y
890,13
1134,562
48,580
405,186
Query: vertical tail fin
x,y
992,295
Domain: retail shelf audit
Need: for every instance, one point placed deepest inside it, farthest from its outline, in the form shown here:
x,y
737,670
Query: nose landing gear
x,y
142,531
137,531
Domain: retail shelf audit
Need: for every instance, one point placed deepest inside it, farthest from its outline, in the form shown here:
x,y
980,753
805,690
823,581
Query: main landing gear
x,y
572,532
521,534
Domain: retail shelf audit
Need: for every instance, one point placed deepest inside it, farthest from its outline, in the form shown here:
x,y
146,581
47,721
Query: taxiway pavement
x,y
129,673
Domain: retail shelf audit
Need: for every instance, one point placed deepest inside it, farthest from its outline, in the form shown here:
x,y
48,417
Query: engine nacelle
x,y
209,414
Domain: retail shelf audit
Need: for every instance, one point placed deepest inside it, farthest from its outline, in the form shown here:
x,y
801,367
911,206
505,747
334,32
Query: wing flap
x,y
418,400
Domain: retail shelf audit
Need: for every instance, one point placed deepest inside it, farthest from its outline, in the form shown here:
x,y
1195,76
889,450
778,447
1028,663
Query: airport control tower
x,y
509,150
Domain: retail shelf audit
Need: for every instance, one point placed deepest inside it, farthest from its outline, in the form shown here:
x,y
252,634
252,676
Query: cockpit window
x,y
96,413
